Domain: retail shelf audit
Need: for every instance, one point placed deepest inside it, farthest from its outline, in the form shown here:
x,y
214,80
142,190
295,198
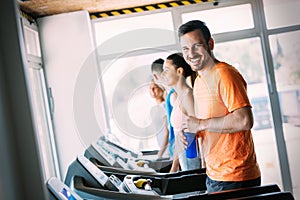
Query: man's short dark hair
x,y
194,25
157,66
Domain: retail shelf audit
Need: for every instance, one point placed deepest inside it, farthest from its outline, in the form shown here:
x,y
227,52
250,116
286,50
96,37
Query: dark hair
x,y
178,60
157,65
194,25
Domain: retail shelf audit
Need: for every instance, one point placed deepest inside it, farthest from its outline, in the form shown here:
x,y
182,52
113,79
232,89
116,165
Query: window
x,y
285,48
32,42
126,34
130,104
39,103
225,19
126,50
43,126
243,49
281,13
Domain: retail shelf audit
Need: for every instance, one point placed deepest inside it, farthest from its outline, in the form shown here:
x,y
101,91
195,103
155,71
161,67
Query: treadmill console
x,y
61,191
111,183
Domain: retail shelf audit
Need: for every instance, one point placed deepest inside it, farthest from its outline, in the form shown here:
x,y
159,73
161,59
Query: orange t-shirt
x,y
228,156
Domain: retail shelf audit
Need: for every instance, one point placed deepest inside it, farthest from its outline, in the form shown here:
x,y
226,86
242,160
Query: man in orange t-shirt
x,y
223,112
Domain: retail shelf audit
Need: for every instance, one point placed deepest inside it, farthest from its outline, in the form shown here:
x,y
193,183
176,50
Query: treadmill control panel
x,y
61,191
93,170
111,183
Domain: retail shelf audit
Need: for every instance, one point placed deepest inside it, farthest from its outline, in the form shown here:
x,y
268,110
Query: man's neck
x,y
208,67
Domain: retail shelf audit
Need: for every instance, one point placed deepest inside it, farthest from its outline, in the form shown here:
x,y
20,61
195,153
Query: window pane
x,y
285,51
42,127
131,109
281,13
123,35
32,42
225,19
248,60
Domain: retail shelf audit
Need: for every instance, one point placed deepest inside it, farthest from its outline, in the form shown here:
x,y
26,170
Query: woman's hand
x,y
191,124
183,140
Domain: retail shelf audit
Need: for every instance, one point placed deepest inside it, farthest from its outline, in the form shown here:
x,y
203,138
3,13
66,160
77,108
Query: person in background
x,y
223,113
176,70
157,93
157,69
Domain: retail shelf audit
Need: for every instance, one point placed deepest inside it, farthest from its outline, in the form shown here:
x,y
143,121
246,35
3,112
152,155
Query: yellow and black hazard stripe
x,y
146,8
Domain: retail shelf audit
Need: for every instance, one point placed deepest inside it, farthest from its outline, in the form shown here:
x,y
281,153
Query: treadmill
x,y
90,182
111,153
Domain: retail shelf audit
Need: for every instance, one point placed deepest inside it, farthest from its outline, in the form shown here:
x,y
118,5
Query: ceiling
x,y
40,8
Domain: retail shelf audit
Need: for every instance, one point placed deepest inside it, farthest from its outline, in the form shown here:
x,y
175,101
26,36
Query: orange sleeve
x,y
233,89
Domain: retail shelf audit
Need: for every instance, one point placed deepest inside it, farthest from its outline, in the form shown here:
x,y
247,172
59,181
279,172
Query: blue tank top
x,y
169,109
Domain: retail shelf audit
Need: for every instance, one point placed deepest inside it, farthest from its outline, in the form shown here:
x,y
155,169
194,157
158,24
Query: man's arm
x,y
238,120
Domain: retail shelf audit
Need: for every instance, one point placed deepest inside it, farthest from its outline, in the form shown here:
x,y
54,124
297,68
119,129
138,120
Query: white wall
x,y
70,67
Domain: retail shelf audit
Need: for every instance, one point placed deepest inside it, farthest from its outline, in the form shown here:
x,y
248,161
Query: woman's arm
x,y
165,139
188,104
175,163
